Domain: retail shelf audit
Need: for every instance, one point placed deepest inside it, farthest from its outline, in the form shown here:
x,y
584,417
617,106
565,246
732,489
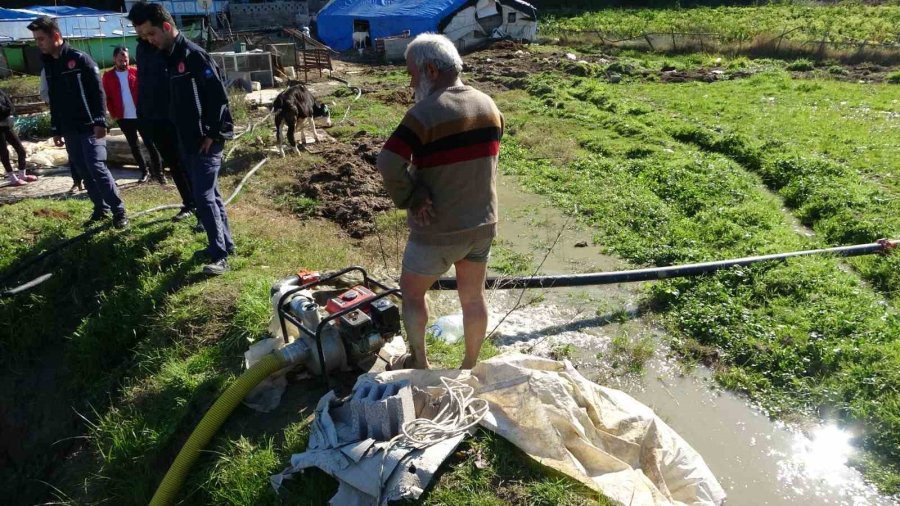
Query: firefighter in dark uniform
x,y
78,117
199,109
153,113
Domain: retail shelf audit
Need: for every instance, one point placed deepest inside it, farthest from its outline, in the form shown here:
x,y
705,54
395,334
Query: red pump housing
x,y
352,296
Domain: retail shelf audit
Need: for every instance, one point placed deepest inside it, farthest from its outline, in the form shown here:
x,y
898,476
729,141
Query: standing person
x,y
153,113
78,117
77,183
120,85
199,109
440,164
8,135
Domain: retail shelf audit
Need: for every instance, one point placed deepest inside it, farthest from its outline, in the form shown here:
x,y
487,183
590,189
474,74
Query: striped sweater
x,y
446,149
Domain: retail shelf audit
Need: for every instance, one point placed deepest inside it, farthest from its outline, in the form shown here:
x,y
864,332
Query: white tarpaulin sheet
x,y
602,437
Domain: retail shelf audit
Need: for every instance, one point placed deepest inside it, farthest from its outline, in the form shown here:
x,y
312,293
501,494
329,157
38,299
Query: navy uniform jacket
x,y
77,102
153,82
198,101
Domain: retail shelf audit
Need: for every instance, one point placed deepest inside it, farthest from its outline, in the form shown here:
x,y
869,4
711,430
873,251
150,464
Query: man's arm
x,y
93,91
107,84
394,161
55,127
217,122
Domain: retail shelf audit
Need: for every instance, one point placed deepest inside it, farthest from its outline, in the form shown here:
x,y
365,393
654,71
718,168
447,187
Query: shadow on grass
x,y
68,342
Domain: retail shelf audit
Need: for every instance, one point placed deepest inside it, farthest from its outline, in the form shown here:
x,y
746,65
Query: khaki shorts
x,y
432,260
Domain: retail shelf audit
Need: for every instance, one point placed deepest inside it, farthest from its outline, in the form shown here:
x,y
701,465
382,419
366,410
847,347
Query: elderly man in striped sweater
x,y
440,164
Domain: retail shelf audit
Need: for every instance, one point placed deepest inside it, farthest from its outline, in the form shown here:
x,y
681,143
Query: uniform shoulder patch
x,y
208,72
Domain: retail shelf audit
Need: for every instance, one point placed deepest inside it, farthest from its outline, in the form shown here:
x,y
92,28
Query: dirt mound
x,y
504,69
508,45
347,186
683,76
399,95
52,213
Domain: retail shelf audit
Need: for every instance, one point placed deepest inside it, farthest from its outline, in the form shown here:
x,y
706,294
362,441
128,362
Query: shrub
x,y
800,65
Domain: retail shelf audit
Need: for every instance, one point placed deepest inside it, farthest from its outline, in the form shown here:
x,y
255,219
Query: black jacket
x,y
153,82
198,101
77,103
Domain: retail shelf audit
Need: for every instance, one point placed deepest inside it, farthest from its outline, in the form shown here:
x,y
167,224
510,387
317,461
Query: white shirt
x,y
128,109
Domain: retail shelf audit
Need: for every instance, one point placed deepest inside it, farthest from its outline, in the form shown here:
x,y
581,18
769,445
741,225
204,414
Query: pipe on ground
x,y
656,273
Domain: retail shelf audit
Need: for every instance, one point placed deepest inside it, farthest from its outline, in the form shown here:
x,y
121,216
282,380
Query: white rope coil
x,y
463,412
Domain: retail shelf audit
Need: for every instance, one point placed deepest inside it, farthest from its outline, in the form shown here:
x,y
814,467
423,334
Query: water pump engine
x,y
335,327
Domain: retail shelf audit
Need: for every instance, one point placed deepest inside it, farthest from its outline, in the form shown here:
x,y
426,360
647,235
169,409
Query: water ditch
x,y
757,460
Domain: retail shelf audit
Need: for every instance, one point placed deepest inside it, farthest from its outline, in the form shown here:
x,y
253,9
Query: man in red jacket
x,y
120,88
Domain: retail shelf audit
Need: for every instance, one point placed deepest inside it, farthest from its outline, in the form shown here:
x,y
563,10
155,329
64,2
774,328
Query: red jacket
x,y
114,93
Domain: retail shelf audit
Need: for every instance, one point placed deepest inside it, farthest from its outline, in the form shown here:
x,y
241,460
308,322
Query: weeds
x,y
508,262
631,353
800,65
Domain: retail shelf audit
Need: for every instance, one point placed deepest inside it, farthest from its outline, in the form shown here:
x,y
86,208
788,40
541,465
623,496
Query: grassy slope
x,y
850,22
802,336
145,344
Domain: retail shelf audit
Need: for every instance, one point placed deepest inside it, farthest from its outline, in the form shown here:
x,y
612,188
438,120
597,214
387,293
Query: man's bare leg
x,y
470,286
415,313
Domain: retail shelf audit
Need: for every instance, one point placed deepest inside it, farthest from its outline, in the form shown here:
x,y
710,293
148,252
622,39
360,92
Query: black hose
x,y
655,273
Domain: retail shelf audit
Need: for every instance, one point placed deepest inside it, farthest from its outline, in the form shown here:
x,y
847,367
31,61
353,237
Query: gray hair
x,y
435,49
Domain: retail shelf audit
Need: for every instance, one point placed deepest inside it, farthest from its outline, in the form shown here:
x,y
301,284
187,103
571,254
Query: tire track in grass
x,y
801,336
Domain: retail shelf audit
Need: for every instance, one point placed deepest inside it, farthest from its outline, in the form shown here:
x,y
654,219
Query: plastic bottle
x,y
448,328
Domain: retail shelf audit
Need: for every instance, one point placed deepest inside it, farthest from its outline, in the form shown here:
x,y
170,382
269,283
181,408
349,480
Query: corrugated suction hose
x,y
209,425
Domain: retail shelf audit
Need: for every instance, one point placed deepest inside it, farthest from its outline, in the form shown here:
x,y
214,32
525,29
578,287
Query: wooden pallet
x,y
29,104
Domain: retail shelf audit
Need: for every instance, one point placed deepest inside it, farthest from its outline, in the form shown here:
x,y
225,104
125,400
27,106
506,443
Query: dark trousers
x,y
131,128
87,158
8,135
203,170
160,140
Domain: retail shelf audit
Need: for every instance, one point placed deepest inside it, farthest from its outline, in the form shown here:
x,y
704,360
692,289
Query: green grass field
x,y
845,22
674,173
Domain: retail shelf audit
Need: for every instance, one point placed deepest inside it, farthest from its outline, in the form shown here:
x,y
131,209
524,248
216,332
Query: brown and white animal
x,y
295,106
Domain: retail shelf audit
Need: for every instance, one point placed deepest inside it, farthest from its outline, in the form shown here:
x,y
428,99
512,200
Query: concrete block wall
x,y
266,15
378,411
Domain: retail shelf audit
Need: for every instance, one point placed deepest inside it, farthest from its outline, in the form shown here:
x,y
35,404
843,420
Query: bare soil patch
x,y
346,185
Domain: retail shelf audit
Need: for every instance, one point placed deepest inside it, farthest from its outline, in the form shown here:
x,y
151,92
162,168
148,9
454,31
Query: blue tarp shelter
x,y
385,18
74,22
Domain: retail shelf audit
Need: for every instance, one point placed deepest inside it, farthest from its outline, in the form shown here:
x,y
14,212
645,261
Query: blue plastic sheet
x,y
385,17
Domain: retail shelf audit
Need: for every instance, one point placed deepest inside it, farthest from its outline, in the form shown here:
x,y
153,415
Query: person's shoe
x,y
29,178
162,179
145,176
15,181
74,188
216,268
95,219
183,214
120,222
